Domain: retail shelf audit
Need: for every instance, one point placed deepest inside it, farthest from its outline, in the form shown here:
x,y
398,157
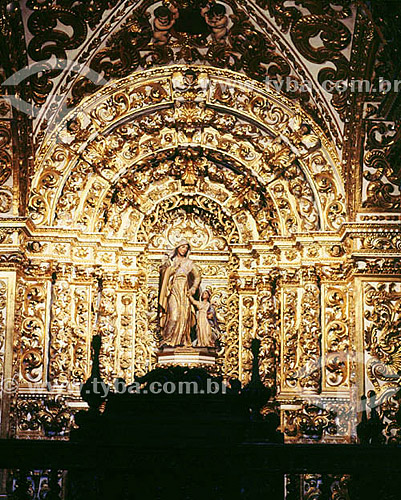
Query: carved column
x,y
143,355
7,381
309,365
267,317
232,351
301,332
107,327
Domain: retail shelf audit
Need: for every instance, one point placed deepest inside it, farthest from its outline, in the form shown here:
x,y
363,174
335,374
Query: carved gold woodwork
x,y
7,381
138,166
301,333
309,422
7,201
381,311
302,204
32,334
232,340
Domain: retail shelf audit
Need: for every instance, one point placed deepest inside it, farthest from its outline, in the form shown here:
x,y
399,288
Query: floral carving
x,y
309,422
33,332
301,336
336,337
382,335
48,415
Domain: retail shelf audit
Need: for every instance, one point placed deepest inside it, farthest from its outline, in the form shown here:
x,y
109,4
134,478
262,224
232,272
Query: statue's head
x,y
182,249
206,295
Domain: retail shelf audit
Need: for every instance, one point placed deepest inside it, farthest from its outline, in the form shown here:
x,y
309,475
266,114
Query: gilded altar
x,y
292,218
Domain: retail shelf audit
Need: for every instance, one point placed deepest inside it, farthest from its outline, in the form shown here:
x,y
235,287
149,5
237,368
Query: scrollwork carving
x,y
382,337
244,47
309,369
326,22
33,332
301,370
107,327
309,422
125,350
232,350
49,416
62,332
336,337
3,317
183,213
247,331
382,165
144,339
267,317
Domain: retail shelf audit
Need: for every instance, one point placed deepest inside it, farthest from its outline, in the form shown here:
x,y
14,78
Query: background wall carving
x,y
290,201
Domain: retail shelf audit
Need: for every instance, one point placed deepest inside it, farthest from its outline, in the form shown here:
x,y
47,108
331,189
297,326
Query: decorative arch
x,y
137,122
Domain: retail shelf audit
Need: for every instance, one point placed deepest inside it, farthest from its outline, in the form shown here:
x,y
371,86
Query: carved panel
x,y
81,334
289,338
61,333
125,350
145,341
382,337
33,332
47,416
301,335
6,169
247,331
268,331
382,170
309,422
232,349
3,332
336,338
107,327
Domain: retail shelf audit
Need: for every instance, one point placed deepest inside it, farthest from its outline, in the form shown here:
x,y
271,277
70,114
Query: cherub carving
x,y
216,18
165,18
189,84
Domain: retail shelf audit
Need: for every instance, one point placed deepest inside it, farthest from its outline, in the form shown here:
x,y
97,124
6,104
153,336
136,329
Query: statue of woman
x,y
179,280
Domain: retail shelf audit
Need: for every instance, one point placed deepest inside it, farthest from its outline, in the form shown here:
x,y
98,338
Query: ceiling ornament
x,y
308,19
224,35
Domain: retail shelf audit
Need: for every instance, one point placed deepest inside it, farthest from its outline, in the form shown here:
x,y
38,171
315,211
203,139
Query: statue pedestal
x,y
186,356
